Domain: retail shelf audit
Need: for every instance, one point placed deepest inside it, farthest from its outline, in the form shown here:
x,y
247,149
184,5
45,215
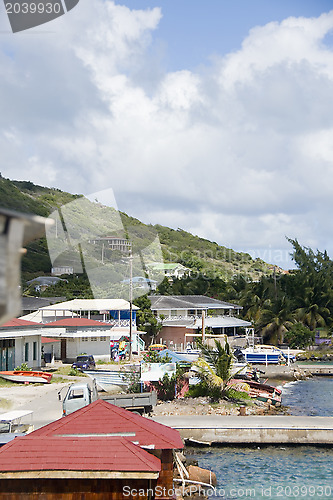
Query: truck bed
x,y
140,401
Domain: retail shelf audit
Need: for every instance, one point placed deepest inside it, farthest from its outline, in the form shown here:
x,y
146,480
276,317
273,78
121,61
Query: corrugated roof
x,y
77,322
47,340
19,322
34,453
167,302
34,303
210,322
101,417
91,305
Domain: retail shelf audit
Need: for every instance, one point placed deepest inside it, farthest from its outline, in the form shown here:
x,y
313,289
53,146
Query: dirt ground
x,y
202,406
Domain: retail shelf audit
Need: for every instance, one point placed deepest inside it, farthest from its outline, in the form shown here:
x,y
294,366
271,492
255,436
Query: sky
x,y
207,115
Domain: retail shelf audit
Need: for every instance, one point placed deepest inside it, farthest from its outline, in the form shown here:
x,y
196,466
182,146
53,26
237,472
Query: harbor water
x,y
277,472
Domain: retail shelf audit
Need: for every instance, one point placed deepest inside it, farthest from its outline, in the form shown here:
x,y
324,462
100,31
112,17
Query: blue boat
x,y
262,355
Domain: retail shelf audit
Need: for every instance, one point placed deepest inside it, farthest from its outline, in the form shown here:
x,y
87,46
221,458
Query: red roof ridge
x,y
19,322
107,454
77,322
154,433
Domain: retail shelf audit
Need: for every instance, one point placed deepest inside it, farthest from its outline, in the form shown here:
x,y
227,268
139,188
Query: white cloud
x,y
240,153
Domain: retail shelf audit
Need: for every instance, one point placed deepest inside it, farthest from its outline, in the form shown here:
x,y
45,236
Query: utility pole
x,y
131,301
203,326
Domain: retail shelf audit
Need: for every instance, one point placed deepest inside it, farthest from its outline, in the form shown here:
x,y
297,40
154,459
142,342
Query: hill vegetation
x,y
282,306
198,254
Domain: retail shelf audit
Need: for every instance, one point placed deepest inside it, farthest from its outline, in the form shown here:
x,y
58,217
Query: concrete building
x,y
20,342
183,318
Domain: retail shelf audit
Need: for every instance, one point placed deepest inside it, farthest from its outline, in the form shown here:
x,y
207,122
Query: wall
x,y
20,351
97,347
72,489
176,334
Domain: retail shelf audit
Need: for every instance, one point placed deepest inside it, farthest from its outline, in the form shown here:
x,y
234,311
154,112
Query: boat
x,y
262,392
108,380
27,376
267,355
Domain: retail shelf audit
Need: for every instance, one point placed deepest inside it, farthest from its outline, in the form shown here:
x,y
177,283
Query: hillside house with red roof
x,y
99,449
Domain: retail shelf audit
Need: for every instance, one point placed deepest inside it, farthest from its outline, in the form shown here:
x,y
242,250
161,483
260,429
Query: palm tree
x,y
312,313
215,368
276,320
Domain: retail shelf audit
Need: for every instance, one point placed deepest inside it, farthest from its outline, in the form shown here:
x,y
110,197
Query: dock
x,y
249,430
318,370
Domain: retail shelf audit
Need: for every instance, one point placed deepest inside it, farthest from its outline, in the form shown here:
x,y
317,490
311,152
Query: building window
x,y
26,352
93,339
103,339
34,351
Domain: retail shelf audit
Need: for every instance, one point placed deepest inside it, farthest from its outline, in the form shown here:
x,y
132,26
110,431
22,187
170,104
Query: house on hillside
x,y
40,283
100,448
182,317
170,269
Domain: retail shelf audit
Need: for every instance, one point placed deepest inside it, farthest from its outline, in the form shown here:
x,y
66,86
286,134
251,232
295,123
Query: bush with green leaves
x,y
23,368
214,369
299,336
132,377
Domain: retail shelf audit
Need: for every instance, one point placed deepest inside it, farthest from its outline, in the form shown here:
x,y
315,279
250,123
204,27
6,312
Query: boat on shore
x,y
108,380
259,355
28,376
262,392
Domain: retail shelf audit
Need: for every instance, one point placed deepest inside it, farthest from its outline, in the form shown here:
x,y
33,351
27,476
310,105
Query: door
x,y
63,353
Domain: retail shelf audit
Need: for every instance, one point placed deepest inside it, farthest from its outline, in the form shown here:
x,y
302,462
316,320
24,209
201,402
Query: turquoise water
x,y
313,397
279,472
269,472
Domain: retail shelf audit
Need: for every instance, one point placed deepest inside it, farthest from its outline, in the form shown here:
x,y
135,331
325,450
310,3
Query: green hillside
x,y
199,254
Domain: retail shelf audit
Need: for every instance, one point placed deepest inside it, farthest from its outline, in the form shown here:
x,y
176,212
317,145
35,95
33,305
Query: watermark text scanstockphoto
x,y
27,14
276,491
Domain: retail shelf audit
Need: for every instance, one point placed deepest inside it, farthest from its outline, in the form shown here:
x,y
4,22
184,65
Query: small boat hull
x,y
108,381
263,392
35,377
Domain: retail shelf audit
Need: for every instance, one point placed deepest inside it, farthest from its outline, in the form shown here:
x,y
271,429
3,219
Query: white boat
x,y
262,355
108,380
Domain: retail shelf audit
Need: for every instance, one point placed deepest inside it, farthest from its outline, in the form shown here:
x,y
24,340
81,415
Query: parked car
x,y
84,362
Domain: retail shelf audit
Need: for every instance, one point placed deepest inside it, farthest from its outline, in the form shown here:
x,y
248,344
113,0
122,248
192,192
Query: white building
x,y
20,342
86,326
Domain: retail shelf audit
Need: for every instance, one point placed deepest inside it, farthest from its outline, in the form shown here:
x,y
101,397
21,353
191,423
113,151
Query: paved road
x,y
42,400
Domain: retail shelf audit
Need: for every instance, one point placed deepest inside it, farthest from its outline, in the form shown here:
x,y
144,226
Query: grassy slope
x,y
177,245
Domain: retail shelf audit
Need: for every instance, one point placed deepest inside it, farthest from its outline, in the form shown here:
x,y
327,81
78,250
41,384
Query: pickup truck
x,y
83,393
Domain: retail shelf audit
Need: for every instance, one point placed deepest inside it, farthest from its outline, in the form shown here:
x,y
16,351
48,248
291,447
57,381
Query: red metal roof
x,y
101,417
76,454
77,322
48,340
19,322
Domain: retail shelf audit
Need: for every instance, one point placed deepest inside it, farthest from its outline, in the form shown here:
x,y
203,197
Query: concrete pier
x,y
247,430
318,370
